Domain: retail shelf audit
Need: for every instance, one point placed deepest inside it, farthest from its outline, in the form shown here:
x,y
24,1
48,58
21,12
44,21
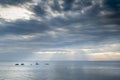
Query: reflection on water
x,y
60,70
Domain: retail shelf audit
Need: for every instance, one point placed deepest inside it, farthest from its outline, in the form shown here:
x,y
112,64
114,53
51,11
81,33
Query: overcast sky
x,y
59,29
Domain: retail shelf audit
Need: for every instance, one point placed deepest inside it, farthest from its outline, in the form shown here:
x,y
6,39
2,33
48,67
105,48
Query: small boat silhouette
x,y
36,63
16,64
22,64
46,64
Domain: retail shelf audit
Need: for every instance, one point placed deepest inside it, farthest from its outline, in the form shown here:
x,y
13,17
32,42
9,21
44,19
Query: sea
x,y
59,70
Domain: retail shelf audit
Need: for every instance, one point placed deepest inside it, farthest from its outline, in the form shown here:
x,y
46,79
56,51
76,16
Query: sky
x,y
60,30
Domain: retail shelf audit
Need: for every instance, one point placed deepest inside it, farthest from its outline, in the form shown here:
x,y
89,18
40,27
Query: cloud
x,y
84,28
23,27
13,13
105,56
13,2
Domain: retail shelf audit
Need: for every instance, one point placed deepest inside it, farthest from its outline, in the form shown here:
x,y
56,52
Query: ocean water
x,y
60,70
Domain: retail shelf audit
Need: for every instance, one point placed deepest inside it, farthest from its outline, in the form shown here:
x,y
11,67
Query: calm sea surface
x,y
60,70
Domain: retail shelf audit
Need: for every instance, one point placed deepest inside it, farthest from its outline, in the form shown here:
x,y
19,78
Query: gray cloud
x,y
13,2
23,27
64,23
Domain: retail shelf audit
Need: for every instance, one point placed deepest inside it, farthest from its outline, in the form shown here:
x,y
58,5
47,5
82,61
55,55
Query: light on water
x,y
60,70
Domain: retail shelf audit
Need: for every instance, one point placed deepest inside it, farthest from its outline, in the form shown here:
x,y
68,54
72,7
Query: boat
x,y
36,63
16,64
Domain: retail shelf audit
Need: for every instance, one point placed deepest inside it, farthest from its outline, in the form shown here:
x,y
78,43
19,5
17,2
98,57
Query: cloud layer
x,y
88,29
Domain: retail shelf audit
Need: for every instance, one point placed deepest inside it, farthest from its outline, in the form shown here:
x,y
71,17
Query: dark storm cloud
x,y
68,4
13,2
56,6
39,10
112,6
60,6
91,22
23,27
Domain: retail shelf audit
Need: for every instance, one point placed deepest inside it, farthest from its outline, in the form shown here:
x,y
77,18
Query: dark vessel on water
x,y
22,64
36,63
16,64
